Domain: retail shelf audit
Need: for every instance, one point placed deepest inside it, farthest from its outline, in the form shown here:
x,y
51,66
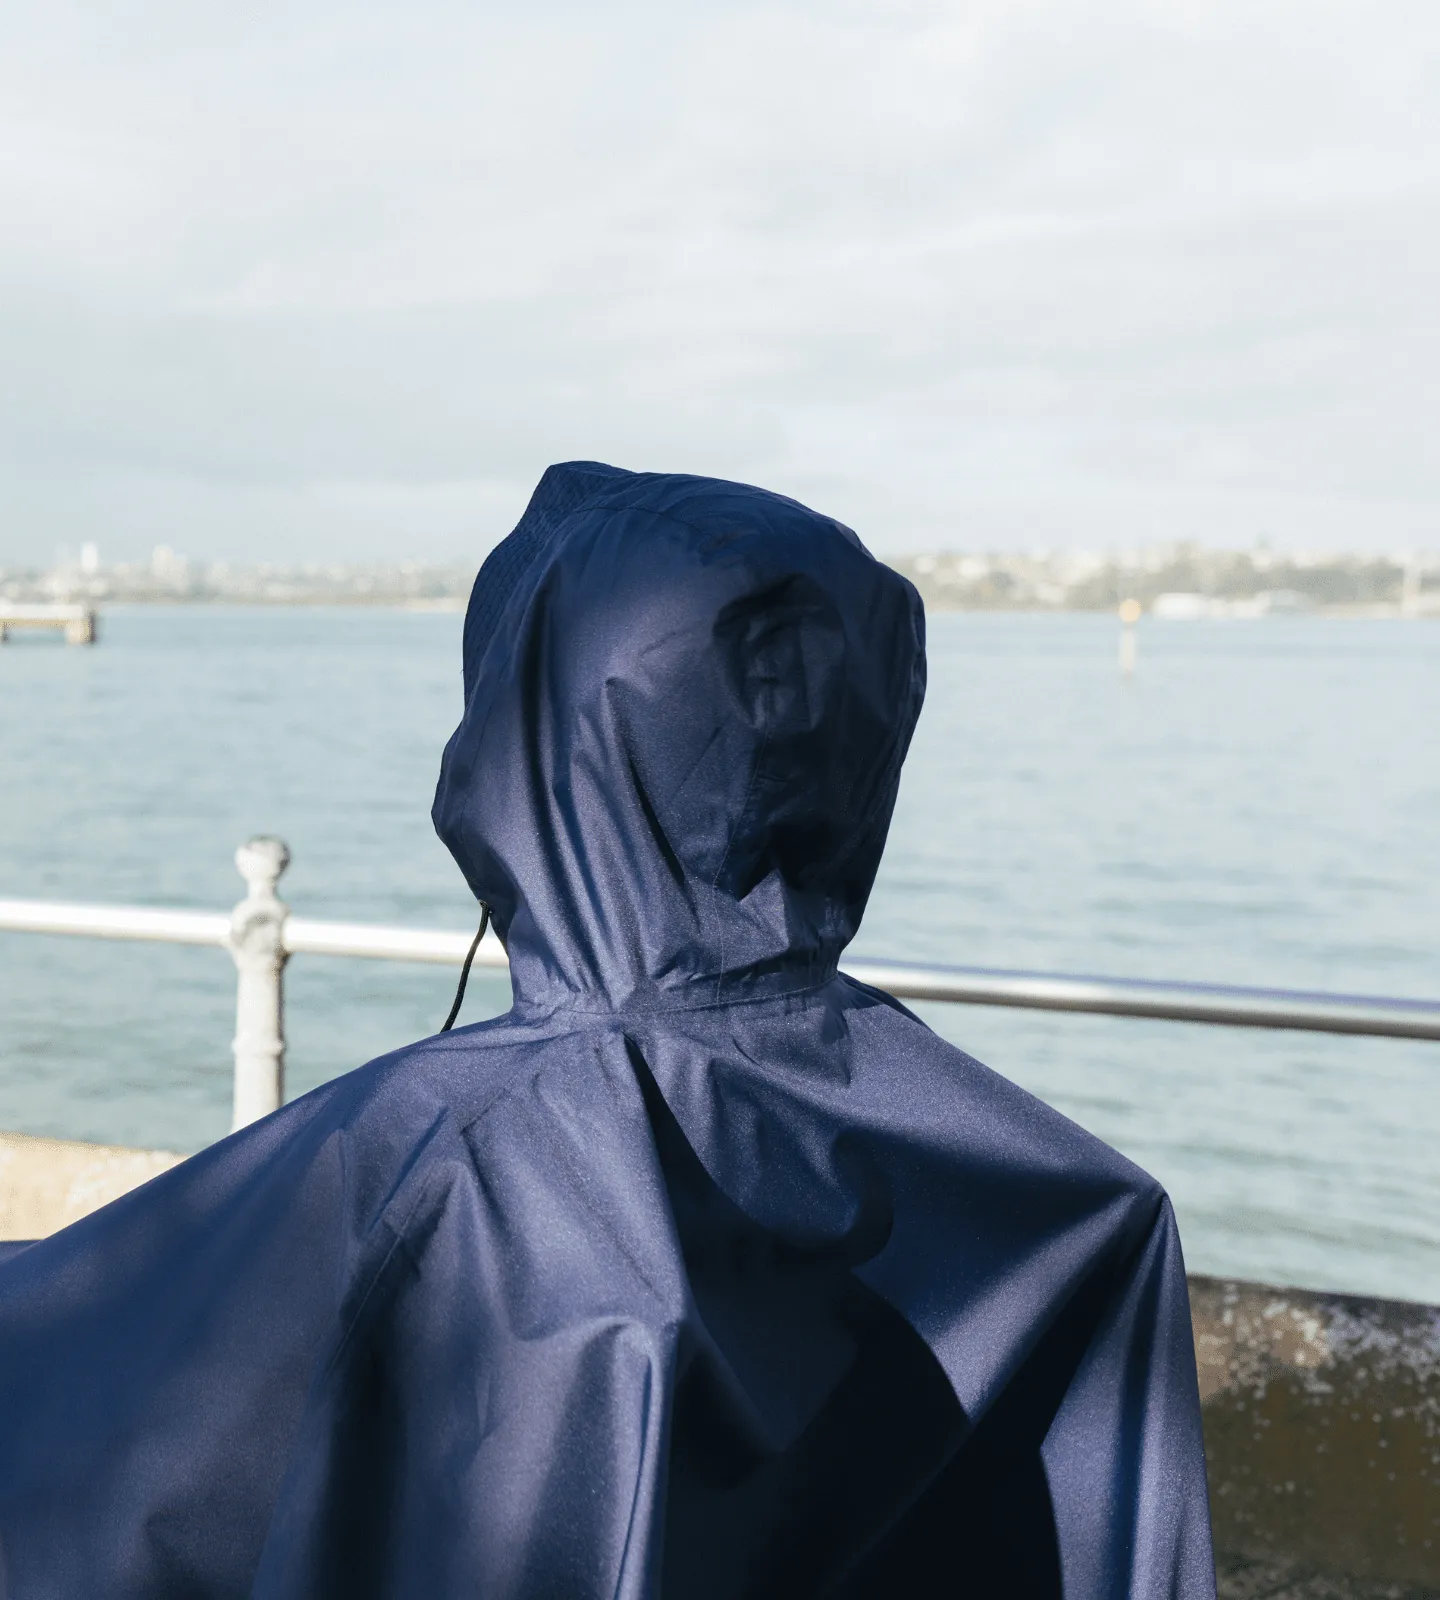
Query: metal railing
x,y
261,935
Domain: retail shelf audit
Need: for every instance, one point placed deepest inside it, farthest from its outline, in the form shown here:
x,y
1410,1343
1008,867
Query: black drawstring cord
x,y
465,970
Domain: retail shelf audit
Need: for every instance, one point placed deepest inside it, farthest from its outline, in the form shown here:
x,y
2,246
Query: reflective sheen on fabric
x,y
704,1272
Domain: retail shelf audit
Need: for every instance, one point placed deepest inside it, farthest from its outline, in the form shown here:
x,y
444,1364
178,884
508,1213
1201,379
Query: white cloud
x,y
342,279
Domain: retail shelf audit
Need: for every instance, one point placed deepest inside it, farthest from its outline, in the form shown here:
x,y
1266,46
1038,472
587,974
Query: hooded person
x,y
705,1271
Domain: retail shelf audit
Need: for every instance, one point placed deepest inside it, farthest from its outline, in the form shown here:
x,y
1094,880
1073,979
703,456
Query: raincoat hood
x,y
687,703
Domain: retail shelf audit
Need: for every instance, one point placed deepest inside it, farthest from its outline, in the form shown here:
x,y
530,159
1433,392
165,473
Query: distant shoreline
x,y
1380,611
1178,581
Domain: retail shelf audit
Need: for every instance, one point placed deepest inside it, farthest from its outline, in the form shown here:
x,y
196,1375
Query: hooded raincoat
x,y
705,1271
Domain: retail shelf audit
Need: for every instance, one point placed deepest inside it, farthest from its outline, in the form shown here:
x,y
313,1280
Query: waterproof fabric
x,y
704,1272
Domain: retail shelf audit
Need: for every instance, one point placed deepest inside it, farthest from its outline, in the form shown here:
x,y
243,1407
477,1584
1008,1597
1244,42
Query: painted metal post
x,y
257,928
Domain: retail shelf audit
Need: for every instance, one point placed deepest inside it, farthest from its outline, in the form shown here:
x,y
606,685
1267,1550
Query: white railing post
x,y
257,942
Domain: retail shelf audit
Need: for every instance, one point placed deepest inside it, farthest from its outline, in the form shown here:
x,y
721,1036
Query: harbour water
x,y
1260,804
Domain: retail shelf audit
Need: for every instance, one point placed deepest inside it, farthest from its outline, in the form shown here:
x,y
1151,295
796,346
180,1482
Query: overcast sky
x,y
337,280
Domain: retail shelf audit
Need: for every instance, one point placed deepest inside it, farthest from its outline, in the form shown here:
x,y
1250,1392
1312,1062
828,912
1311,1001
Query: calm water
x,y
1262,804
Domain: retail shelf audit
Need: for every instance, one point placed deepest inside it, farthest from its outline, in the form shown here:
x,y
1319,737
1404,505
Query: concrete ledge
x,y
1241,1578
46,1184
1322,1428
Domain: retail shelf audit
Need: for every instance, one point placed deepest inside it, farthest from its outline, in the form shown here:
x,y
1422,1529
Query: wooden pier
x,y
78,622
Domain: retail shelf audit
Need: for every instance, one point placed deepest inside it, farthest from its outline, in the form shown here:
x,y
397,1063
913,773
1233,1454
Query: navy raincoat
x,y
705,1271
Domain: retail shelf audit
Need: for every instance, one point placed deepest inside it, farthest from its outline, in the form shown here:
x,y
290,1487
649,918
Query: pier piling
x,y
1129,616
